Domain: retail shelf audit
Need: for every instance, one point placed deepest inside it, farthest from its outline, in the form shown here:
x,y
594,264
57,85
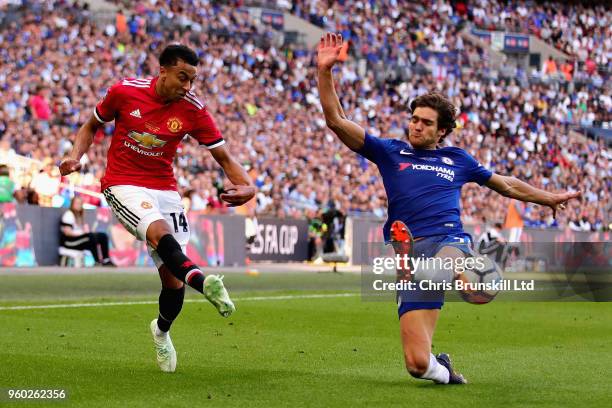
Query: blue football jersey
x,y
423,186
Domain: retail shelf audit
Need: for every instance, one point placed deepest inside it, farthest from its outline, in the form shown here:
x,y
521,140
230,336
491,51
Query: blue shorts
x,y
427,247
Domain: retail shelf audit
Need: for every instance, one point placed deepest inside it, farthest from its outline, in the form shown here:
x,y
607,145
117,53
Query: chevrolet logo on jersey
x,y
146,140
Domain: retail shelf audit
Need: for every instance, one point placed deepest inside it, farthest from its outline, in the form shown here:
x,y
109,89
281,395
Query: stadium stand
x,y
263,96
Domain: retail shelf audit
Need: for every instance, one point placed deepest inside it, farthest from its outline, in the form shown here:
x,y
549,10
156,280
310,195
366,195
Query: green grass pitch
x,y
282,348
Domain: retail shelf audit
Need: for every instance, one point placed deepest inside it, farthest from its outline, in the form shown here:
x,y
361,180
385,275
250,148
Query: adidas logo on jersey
x,y
136,114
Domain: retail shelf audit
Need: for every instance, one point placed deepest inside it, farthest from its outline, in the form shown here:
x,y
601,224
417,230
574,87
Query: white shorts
x,y
138,207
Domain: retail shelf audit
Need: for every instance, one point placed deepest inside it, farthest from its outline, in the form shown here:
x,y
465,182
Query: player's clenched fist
x,y
237,195
68,166
329,50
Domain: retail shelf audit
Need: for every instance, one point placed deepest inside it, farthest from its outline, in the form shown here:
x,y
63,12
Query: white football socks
x,y
436,371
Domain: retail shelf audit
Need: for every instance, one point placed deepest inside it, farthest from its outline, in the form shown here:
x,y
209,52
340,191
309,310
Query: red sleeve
x,y
205,130
107,108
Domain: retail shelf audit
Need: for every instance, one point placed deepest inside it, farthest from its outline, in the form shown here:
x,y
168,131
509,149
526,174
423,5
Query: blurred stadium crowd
x,y
263,96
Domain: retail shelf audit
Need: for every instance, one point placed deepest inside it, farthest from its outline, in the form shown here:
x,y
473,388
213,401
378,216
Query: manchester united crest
x,y
174,125
146,205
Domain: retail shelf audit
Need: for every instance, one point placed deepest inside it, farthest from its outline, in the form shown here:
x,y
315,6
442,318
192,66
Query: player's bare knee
x,y
156,231
172,284
167,278
416,364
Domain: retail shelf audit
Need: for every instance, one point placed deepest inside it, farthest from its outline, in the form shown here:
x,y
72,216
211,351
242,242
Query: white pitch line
x,y
151,302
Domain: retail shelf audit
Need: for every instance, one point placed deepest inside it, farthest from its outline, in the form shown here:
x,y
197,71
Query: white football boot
x,y
166,354
215,292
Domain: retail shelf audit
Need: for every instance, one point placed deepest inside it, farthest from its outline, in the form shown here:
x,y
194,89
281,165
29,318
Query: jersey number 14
x,y
182,222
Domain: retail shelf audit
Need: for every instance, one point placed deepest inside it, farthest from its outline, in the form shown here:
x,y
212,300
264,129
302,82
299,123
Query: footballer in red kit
x,y
152,116
148,131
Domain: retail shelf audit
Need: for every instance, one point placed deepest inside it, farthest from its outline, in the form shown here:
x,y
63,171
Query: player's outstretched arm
x,y
349,132
84,139
242,189
515,188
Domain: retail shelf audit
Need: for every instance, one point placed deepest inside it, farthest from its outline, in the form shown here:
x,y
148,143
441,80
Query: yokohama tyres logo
x,y
441,171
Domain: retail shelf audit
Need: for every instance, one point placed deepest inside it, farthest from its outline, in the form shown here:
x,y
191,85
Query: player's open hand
x,y
558,201
68,166
235,195
329,50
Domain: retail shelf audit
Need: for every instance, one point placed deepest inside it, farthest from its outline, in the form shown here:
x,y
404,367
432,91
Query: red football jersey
x,y
148,132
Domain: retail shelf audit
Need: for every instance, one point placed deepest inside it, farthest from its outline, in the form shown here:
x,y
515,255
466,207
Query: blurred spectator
x,y
250,230
40,108
75,234
46,184
333,236
491,242
7,186
567,69
550,67
121,23
316,231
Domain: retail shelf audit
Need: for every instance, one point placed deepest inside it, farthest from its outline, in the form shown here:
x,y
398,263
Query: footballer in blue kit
x,y
423,190
423,183
423,186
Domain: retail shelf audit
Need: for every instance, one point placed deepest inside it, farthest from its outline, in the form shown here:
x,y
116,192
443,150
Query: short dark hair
x,y
446,110
172,53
